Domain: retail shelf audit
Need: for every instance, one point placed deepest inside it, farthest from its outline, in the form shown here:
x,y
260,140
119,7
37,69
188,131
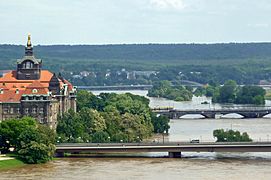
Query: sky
x,y
134,21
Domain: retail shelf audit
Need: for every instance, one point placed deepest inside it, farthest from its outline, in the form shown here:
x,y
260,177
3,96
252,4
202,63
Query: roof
x,y
36,88
11,96
31,58
9,80
13,89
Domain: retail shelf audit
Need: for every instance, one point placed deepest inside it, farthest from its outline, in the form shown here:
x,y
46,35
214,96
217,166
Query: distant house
x,y
144,73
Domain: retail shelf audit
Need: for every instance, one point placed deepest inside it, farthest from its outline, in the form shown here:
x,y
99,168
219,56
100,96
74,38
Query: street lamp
x,y
164,136
108,138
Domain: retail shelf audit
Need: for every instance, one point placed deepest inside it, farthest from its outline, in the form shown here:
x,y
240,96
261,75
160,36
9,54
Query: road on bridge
x,y
173,148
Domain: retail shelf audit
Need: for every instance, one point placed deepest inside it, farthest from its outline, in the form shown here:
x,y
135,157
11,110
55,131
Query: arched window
x,y
34,91
28,65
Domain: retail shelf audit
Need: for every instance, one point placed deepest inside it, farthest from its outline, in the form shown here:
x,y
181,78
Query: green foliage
x,y
36,153
160,123
10,131
230,136
165,89
251,95
101,137
245,63
122,117
231,93
228,92
32,142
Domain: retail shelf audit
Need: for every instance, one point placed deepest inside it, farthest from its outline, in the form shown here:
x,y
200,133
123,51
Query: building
x,y
31,91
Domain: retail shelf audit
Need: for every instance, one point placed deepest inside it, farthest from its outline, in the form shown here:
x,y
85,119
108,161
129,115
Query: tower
x,y
28,68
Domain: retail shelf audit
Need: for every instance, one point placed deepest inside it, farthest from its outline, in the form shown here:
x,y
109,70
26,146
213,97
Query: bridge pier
x,y
174,154
59,154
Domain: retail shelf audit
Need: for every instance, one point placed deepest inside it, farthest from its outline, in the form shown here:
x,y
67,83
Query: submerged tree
x,y
230,136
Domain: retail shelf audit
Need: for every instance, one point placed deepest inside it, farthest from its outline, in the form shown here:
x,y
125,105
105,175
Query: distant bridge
x,y
135,87
174,149
211,113
112,88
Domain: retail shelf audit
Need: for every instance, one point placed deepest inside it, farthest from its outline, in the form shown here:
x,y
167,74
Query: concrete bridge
x,y
114,88
211,113
174,149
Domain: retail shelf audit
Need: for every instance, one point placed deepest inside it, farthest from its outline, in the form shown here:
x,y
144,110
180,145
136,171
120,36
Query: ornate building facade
x,y
31,91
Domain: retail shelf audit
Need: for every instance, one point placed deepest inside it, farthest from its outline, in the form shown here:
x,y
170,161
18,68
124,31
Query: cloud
x,y
168,4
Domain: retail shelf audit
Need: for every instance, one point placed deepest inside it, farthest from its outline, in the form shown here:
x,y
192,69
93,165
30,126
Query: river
x,y
156,165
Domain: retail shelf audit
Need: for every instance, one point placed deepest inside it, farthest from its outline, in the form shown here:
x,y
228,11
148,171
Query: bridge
x,y
212,113
174,149
114,88
134,87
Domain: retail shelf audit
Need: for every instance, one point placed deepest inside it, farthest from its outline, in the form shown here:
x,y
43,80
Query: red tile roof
x,y
9,85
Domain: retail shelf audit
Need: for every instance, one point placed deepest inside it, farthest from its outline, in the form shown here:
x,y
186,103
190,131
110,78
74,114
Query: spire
x,y
29,48
29,40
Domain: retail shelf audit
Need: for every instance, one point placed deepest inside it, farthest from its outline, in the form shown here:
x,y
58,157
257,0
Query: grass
x,y
11,163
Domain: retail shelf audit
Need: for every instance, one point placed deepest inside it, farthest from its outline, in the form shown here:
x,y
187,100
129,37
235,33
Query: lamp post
x,y
108,138
138,139
164,136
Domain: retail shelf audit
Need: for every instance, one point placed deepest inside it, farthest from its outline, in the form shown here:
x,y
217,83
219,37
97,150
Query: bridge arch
x,y
233,116
192,116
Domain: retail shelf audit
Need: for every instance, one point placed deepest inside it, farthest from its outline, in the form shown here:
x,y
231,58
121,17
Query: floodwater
x,y
156,166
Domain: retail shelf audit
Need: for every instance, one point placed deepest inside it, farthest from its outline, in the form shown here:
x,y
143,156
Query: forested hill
x,y
117,64
145,51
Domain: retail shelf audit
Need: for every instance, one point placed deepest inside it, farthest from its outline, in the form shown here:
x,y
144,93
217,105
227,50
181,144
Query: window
x,y
28,65
34,110
18,111
5,110
41,110
11,111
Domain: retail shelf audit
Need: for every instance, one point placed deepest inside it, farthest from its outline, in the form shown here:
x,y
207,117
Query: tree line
x,y
244,63
230,92
166,90
110,118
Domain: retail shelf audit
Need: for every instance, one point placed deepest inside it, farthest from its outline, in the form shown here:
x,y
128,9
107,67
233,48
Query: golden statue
x,y
29,40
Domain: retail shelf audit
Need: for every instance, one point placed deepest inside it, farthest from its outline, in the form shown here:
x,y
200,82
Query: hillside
x,y
245,63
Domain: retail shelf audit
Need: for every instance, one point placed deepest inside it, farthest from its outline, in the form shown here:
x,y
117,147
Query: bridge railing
x,y
243,108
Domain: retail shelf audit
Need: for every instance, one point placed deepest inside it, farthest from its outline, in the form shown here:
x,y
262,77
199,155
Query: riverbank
x,y
8,162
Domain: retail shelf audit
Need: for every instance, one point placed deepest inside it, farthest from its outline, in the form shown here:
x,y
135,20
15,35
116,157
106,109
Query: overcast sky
x,y
134,21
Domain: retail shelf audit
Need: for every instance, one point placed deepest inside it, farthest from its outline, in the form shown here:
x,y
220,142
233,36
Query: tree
x,y
230,136
11,129
160,123
36,145
36,153
251,95
101,137
227,93
70,127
